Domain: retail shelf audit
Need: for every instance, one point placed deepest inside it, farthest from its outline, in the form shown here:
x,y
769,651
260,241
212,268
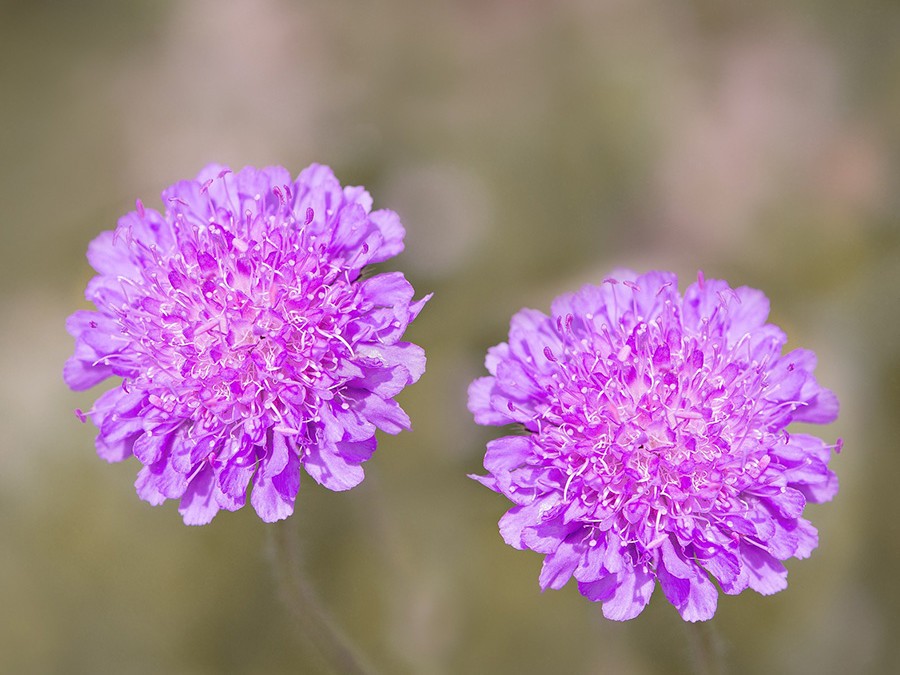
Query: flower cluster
x,y
655,444
247,342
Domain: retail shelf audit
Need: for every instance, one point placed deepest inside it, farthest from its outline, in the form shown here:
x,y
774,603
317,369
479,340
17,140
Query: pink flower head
x,y
655,444
247,342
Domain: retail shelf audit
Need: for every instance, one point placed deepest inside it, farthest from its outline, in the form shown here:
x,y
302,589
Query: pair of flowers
x,y
651,444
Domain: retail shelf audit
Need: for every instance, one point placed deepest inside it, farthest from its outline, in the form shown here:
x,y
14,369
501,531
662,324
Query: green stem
x,y
707,649
318,628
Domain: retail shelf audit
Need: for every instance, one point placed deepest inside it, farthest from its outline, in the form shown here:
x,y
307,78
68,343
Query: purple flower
x,y
655,444
247,341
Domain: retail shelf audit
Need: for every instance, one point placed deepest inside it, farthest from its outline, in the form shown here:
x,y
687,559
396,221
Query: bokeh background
x,y
529,147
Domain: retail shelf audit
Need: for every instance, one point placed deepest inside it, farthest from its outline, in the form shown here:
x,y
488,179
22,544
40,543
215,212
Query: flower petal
x,y
198,505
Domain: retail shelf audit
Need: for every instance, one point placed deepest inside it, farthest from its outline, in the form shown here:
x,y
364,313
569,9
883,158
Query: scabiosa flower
x,y
247,341
655,444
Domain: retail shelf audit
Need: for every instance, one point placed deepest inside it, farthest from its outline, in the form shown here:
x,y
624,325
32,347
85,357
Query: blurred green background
x,y
529,147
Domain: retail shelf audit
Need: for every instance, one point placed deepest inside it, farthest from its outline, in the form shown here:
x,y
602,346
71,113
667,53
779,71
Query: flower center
x,y
649,425
241,326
